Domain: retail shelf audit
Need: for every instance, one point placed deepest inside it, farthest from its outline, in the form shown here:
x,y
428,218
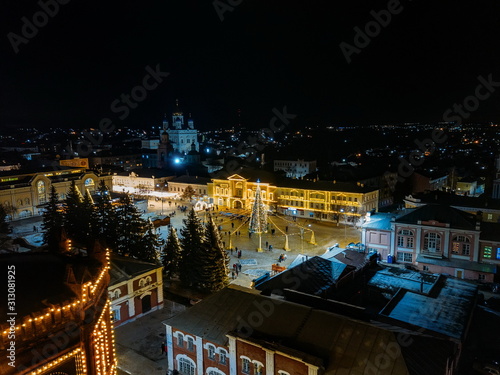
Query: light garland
x,y
56,361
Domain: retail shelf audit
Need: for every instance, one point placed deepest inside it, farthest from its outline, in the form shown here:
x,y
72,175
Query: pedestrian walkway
x,y
138,344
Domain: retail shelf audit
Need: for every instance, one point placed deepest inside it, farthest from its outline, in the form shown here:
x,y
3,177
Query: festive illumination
x,y
258,218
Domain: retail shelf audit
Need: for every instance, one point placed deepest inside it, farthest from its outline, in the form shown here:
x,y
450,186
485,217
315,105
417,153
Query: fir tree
x,y
172,254
104,225
87,219
148,250
216,262
72,212
130,227
188,193
192,241
52,221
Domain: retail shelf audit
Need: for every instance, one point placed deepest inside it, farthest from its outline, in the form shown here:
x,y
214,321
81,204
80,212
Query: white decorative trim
x,y
281,372
258,363
170,347
216,370
183,356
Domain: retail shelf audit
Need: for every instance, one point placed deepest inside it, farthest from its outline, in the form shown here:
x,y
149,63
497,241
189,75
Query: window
x,y
186,366
490,216
190,344
116,315
222,357
460,245
211,352
259,370
498,253
432,242
245,366
487,252
481,277
180,340
425,268
404,257
405,238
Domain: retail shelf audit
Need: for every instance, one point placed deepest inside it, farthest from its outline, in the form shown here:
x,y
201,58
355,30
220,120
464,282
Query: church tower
x,y
164,150
181,135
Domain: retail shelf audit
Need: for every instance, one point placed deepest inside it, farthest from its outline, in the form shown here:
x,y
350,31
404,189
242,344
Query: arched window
x,y
41,190
190,343
149,280
142,283
186,366
211,352
460,245
432,242
214,371
27,201
180,340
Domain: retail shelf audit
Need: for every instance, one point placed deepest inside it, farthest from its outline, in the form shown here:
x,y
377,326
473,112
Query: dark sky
x,y
264,54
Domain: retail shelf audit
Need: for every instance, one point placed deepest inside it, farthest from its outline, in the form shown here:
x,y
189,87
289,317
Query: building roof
x,y
314,276
42,279
339,344
482,202
490,231
195,180
147,172
125,268
446,311
441,213
379,221
458,263
392,279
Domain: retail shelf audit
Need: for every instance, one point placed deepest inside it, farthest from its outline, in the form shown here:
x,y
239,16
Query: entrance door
x,y
459,274
146,304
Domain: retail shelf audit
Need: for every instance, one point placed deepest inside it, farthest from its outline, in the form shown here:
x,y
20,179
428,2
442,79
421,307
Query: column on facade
x,y
269,362
418,241
159,289
232,355
130,300
476,248
311,369
393,241
446,243
199,355
170,347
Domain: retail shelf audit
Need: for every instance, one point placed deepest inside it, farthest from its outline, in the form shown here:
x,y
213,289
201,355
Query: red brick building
x,y
237,331
59,315
135,289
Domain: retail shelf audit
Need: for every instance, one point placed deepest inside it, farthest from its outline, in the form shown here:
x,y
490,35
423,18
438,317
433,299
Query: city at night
x,y
228,187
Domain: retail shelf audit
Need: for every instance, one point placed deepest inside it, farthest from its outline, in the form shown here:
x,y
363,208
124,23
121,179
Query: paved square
x,y
255,272
248,262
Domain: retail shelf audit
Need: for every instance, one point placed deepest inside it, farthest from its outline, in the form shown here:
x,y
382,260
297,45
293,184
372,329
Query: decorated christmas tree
x,y
150,245
258,218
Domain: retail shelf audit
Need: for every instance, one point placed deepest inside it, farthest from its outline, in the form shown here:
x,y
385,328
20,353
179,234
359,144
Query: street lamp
x,y
161,196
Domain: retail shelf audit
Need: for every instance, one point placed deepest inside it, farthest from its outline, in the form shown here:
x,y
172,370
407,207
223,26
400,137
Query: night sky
x,y
262,55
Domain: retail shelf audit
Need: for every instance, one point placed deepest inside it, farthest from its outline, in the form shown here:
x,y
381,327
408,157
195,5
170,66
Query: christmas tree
x,y
52,221
192,241
258,218
87,219
171,254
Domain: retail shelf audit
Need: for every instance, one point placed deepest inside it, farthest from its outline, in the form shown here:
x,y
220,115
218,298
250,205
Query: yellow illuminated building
x,y
321,200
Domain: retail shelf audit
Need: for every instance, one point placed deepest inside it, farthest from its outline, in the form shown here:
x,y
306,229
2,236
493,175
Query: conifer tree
x,y
52,221
130,227
87,219
188,193
192,241
104,225
148,250
171,254
72,212
215,260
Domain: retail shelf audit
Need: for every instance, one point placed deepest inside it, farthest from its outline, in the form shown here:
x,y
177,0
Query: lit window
x,y
498,253
487,252
116,315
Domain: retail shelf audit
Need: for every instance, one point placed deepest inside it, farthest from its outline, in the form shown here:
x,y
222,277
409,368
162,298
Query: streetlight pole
x,y
345,224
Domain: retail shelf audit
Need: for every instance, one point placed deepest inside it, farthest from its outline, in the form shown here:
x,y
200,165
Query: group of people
x,y
236,270
282,258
